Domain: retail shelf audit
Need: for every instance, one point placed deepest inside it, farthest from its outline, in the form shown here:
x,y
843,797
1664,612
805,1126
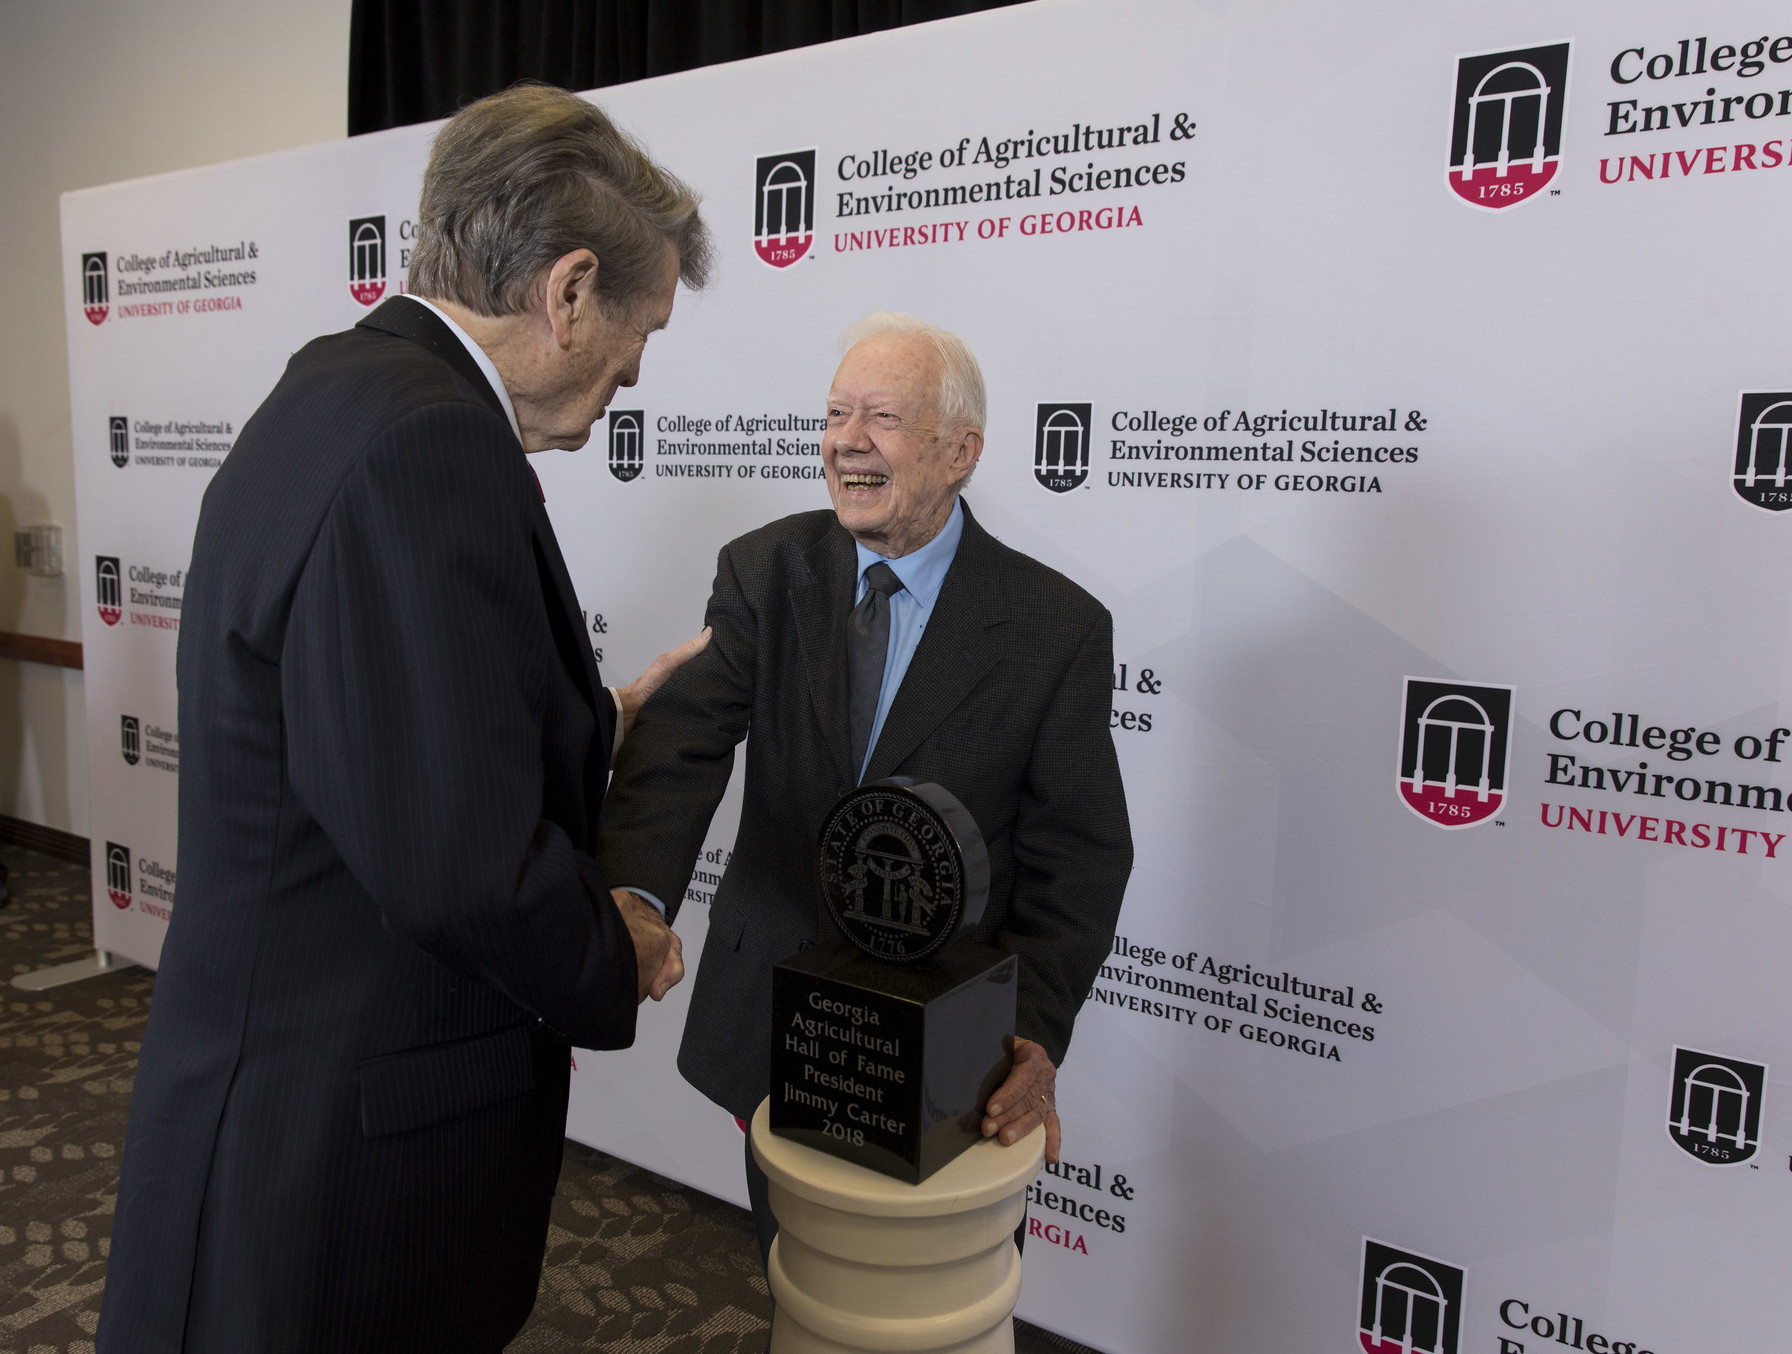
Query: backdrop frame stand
x,y
60,975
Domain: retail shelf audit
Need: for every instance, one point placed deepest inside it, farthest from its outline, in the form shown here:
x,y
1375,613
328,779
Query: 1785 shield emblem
x,y
367,258
627,451
1061,436
1408,1303
784,207
1715,1112
118,875
1763,473
1506,135
1455,746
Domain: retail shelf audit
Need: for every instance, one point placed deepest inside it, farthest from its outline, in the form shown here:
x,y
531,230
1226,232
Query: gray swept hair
x,y
521,178
962,401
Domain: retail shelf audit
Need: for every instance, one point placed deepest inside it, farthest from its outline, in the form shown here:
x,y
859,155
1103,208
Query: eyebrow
x,y
876,397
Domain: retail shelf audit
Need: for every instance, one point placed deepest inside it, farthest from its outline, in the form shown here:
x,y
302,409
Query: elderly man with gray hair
x,y
891,636
391,926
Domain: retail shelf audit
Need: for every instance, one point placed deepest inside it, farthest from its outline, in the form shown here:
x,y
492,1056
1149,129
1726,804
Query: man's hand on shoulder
x,y
633,696
1028,1098
659,953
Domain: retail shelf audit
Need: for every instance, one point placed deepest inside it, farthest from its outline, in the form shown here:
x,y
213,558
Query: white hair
x,y
962,402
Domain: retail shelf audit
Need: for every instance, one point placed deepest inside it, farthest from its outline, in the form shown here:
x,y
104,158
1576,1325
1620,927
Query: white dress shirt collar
x,y
921,571
478,355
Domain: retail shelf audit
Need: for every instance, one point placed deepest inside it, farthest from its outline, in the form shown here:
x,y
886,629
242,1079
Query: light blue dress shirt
x,y
922,573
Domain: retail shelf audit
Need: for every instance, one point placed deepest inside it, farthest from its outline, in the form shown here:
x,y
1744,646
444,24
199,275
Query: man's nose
x,y
850,435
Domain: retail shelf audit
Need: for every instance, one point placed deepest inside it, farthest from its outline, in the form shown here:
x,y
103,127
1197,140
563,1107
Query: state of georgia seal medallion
x,y
902,868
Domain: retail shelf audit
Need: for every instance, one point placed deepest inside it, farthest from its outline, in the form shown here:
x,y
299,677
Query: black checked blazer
x,y
351,1101
1005,703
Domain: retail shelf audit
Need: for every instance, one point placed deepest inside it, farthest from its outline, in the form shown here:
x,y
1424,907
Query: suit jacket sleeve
x,y
1072,849
415,664
674,765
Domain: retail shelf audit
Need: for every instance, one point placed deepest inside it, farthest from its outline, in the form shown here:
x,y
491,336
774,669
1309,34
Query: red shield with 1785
x,y
1455,747
367,258
1408,1303
118,875
96,288
784,207
1506,132
108,590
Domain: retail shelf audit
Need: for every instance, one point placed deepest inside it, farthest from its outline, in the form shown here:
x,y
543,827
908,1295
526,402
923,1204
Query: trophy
x,y
888,1040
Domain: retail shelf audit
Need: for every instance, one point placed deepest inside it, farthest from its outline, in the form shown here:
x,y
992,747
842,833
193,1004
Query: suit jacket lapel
x,y
820,604
954,654
547,547
408,319
405,318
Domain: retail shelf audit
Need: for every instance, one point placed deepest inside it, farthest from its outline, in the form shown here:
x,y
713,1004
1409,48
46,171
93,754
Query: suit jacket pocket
x,y
423,1086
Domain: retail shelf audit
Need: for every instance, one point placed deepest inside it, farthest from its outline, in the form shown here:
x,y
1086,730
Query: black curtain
x,y
416,60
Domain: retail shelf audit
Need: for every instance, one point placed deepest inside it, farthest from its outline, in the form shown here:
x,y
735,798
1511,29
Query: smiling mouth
x,y
862,482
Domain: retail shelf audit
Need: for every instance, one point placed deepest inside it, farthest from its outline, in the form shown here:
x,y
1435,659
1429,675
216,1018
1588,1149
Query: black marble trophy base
x,y
887,1065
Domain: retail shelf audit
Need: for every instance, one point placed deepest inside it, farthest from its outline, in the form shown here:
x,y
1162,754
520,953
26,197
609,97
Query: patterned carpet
x,y
635,1264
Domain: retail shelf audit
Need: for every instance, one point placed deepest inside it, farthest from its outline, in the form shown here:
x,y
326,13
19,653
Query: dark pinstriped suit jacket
x,y
349,1110
1005,703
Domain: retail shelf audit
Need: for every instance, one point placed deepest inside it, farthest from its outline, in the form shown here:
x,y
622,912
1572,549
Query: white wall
x,y
92,91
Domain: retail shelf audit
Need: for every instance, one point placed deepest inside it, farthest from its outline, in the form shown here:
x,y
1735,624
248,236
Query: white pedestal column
x,y
865,1264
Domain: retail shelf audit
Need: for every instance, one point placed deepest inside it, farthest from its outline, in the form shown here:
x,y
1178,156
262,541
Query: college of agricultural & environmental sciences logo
x,y
1715,1113
1410,1304
1455,750
1763,474
784,207
367,258
96,287
118,875
118,430
627,446
1061,434
106,588
131,736
1506,137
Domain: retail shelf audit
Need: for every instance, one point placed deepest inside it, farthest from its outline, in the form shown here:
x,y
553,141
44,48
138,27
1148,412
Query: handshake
x,y
659,953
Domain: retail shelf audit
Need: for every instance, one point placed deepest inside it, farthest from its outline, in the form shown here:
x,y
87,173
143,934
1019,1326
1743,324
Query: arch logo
x,y
784,207
118,875
1409,1304
1763,473
367,258
627,450
1455,750
107,588
1506,135
1715,1112
1061,435
96,288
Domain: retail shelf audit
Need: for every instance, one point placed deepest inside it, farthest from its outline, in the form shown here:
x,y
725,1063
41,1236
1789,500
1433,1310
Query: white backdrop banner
x,y
1416,392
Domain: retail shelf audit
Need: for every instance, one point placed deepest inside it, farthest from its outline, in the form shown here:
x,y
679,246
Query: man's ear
x,y
570,293
966,452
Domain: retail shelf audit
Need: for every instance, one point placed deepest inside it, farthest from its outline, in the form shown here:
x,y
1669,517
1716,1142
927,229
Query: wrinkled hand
x,y
635,694
659,953
1026,1099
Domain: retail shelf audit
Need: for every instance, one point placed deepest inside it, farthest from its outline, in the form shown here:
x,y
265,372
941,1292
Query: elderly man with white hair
x,y
890,636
